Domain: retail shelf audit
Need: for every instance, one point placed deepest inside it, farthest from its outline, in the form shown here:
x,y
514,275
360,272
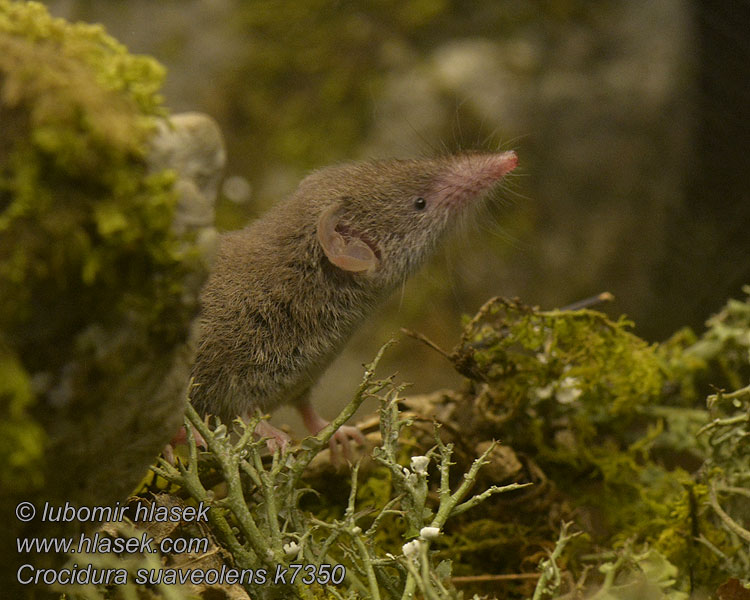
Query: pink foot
x,y
181,438
277,439
340,442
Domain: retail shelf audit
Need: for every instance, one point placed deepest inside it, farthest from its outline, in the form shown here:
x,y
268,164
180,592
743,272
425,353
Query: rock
x,y
102,256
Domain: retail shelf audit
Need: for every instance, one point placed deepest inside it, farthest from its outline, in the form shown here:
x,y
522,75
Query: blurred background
x,y
630,119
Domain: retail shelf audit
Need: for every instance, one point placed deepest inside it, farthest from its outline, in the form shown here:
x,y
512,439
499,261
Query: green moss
x,y
600,413
21,439
577,369
85,229
137,78
486,545
628,477
79,213
719,358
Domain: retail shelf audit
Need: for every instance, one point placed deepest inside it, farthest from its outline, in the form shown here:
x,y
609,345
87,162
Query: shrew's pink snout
x,y
470,175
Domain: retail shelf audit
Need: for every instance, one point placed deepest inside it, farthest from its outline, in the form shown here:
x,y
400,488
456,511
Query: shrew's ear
x,y
344,247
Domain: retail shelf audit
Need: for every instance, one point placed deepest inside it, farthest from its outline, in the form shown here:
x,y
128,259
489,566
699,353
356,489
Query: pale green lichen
x,y
260,521
646,521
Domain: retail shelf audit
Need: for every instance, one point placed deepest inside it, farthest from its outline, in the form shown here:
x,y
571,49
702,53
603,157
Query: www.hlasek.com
x,y
96,543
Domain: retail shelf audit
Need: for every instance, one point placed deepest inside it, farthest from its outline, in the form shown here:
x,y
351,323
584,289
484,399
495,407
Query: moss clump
x,y
81,220
21,438
587,375
84,227
718,358
597,411
94,305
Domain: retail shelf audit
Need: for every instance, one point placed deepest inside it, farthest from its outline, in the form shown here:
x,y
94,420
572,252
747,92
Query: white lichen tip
x,y
419,464
409,476
291,549
429,533
220,432
411,549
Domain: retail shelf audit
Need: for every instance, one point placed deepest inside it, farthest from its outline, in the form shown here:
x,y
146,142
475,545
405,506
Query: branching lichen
x,y
647,524
261,524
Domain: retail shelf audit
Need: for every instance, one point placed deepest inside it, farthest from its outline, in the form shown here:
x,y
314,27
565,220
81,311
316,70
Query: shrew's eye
x,y
420,203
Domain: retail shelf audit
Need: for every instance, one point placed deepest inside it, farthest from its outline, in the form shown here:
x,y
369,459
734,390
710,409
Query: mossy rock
x,y
98,280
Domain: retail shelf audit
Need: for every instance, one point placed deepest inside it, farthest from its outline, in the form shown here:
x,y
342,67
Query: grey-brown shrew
x,y
287,292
